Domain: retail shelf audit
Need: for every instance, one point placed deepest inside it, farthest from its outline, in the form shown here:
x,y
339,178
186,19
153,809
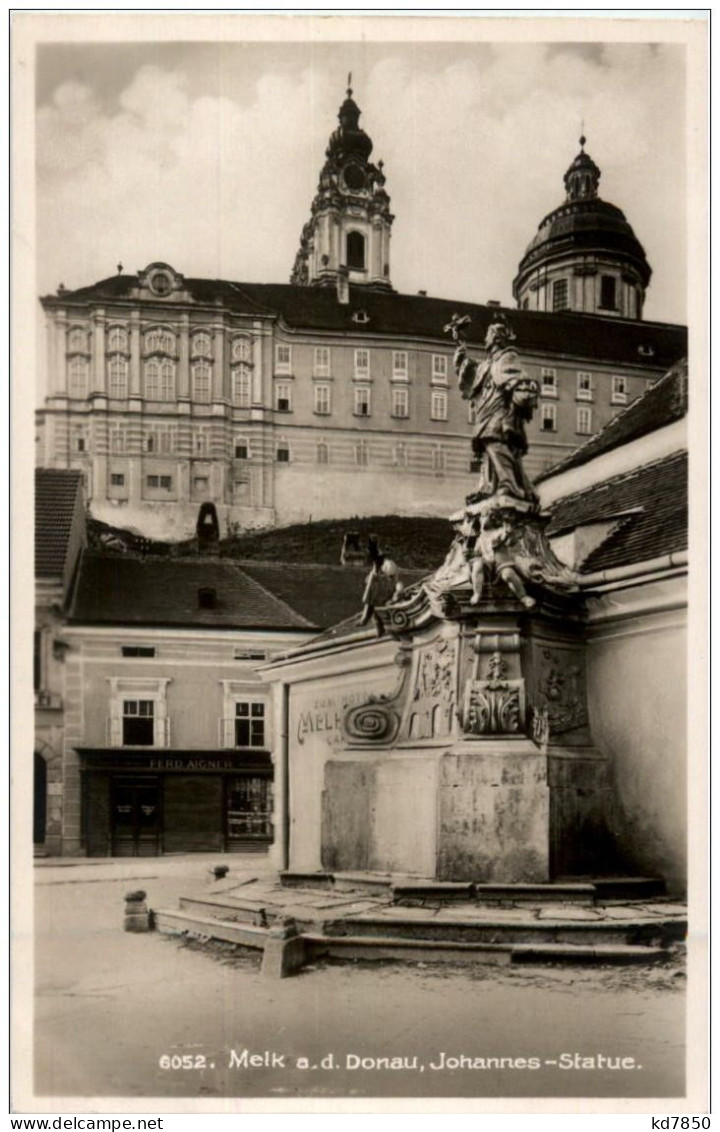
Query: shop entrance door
x,y
135,817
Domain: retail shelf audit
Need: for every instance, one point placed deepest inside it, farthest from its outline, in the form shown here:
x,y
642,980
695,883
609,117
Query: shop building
x,y
169,741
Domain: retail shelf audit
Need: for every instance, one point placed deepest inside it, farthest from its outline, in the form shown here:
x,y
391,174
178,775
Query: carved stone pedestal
x,y
479,765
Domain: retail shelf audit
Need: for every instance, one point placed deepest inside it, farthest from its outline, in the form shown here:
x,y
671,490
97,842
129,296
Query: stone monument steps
x,y
406,889
512,929
444,892
204,928
229,908
316,944
608,889
493,954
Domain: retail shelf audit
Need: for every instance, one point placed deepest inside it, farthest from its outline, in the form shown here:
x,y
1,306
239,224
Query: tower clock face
x,y
354,176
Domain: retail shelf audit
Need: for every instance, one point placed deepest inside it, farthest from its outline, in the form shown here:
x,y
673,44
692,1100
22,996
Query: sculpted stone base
x,y
500,812
493,814
479,764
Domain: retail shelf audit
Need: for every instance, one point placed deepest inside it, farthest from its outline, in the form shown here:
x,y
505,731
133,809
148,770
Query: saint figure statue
x,y
503,398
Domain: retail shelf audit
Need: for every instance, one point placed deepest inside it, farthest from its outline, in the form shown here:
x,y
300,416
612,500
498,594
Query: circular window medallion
x,y
161,283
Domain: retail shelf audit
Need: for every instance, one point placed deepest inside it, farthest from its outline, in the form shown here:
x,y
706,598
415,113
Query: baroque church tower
x,y
347,239
585,256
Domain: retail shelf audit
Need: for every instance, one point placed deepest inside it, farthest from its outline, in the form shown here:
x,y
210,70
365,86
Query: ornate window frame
x,y
138,688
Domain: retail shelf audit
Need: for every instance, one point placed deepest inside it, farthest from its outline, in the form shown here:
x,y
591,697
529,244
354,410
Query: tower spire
x,y
347,237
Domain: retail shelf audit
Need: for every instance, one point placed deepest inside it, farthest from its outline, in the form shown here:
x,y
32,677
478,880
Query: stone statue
x,y
382,584
499,535
503,398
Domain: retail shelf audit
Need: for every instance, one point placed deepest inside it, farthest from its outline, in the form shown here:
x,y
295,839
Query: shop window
x,y
138,723
249,809
249,724
323,455
400,456
438,460
138,650
117,479
361,454
163,482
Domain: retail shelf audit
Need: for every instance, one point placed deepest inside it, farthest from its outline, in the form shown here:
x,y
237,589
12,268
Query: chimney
x,y
207,597
352,553
493,303
343,287
423,294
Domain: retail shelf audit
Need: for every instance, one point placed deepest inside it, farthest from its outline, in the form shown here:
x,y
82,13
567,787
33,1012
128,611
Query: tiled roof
x,y
415,542
317,308
129,590
656,493
664,402
56,493
118,590
325,595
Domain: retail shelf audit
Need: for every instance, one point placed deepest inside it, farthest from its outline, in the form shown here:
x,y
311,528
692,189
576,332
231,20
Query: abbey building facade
x,y
333,395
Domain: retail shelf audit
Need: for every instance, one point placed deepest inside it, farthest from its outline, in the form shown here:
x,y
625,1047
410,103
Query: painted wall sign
x,y
325,715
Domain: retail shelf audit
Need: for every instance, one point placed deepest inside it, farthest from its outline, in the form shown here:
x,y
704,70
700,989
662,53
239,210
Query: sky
x,y
207,155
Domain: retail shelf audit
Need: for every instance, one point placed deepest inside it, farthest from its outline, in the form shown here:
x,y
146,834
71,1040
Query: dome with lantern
x,y
585,256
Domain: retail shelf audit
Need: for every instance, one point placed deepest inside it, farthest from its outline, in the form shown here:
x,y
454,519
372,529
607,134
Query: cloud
x,y
475,149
